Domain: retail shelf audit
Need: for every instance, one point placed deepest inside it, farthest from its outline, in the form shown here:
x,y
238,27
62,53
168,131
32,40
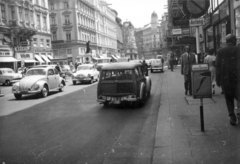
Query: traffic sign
x,y
195,8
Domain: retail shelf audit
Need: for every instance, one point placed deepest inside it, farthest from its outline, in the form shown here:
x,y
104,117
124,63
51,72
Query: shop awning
x,y
7,39
8,59
45,58
50,57
39,59
30,61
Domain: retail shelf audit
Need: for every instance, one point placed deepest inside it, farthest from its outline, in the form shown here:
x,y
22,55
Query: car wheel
x,y
61,87
18,96
7,82
74,82
44,92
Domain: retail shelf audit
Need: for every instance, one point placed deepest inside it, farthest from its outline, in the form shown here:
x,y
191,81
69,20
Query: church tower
x,y
154,21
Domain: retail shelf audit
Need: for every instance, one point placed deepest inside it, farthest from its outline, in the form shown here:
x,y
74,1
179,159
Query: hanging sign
x,y
195,8
196,22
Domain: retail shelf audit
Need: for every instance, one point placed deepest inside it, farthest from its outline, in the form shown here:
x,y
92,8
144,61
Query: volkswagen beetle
x,y
39,80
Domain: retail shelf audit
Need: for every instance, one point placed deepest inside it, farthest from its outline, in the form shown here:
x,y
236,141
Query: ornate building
x,y
24,33
151,45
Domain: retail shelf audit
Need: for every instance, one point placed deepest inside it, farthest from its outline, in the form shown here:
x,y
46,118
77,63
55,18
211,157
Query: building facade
x,y
24,33
139,42
150,45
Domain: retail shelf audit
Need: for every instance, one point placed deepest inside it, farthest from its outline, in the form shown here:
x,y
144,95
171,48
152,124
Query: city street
x,y
72,127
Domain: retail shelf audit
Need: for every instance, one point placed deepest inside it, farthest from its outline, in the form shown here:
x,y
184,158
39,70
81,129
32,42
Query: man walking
x,y
171,61
187,59
227,74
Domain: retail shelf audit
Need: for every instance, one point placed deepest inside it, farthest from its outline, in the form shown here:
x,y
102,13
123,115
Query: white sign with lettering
x,y
196,22
177,31
5,52
24,56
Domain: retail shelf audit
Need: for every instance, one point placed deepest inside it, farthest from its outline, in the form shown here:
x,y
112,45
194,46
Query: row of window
x,y
41,42
25,15
86,21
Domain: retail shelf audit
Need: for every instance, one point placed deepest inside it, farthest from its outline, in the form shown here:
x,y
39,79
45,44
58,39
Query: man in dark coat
x,y
171,61
227,73
187,59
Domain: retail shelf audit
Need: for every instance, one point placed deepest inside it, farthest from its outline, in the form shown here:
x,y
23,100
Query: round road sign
x,y
195,8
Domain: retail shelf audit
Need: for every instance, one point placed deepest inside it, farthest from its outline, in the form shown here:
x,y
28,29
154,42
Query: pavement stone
x,y
179,138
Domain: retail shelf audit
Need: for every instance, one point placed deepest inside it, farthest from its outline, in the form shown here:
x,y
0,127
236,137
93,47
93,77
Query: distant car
x,y
85,73
156,64
8,76
123,82
66,70
39,80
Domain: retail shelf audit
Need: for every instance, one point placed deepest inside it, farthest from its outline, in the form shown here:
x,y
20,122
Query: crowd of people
x,y
225,72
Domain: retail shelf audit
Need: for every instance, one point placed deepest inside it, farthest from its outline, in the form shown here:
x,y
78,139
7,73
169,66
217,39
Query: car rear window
x,y
117,75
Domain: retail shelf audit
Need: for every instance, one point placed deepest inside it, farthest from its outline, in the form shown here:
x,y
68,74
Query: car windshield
x,y
117,75
84,67
36,72
7,71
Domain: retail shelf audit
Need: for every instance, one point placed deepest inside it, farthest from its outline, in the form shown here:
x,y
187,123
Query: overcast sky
x,y
138,11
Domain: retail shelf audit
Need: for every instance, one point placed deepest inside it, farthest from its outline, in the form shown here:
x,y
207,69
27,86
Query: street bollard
x,y
1,95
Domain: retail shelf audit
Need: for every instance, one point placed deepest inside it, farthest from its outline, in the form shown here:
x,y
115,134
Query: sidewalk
x,y
179,139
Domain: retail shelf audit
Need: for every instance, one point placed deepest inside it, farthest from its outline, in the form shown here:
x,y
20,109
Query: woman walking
x,y
210,59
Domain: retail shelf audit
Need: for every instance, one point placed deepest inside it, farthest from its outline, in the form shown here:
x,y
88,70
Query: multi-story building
x,y
151,45
119,31
24,33
72,26
106,29
75,22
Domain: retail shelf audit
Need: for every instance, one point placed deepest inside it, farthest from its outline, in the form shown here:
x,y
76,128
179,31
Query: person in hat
x,y
227,74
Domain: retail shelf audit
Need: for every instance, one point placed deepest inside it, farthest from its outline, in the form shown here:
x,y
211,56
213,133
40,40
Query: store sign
x,y
177,31
24,56
5,52
22,48
223,10
196,22
42,49
24,43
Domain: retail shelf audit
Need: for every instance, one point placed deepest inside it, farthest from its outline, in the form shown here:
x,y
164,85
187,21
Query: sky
x,y
138,11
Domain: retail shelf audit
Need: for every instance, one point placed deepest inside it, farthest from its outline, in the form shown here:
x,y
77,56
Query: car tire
x,y
74,82
18,96
44,91
7,83
61,87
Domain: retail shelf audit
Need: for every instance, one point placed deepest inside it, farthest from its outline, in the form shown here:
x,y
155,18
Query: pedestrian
x,y
171,60
210,59
58,68
145,68
187,59
227,74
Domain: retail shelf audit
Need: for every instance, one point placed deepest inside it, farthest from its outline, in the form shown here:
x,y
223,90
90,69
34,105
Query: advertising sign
x,y
177,31
201,81
5,52
196,22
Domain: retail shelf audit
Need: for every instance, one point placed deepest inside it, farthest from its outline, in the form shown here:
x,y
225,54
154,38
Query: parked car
x,y
39,80
123,82
85,73
156,64
8,76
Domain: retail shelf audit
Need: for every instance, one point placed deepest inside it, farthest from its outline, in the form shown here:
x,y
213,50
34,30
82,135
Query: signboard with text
x,y
5,52
201,81
24,56
177,31
196,22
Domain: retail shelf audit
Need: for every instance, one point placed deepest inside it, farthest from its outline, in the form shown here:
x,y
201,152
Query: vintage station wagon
x,y
123,82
